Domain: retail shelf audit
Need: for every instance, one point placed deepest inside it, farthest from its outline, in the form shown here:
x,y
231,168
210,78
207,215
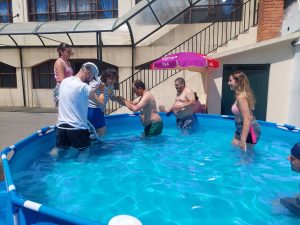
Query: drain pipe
x,y
22,76
294,97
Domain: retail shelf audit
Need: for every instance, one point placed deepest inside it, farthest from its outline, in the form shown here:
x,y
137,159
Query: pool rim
x,y
17,202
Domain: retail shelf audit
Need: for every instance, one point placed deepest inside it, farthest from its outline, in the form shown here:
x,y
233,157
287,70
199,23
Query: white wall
x,y
280,57
294,100
20,7
291,19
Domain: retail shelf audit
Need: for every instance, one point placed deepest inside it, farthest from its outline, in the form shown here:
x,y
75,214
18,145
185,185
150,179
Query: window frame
x,y
39,70
8,13
47,69
53,14
8,76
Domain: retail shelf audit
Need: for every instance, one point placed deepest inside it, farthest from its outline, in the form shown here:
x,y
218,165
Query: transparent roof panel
x,y
173,7
143,24
131,13
2,25
96,25
202,2
54,39
19,28
144,19
30,40
119,37
58,26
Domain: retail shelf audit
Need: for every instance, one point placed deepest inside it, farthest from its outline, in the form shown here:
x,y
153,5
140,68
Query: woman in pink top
x,y
62,68
247,128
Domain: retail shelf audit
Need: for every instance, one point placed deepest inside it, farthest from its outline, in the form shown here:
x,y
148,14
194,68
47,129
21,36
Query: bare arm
x,y
246,114
94,97
137,106
122,100
59,67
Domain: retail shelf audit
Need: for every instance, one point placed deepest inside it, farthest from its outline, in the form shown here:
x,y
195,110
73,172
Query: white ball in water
x,y
124,220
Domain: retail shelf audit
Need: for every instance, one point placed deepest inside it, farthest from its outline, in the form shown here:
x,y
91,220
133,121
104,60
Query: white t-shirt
x,y
73,103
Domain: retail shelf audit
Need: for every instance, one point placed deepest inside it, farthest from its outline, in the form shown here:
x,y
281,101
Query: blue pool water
x,y
172,179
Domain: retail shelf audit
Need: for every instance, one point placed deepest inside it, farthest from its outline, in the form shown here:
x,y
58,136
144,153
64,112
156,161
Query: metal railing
x,y
215,35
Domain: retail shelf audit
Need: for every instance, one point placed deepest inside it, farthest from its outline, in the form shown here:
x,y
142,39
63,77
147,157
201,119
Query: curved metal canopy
x,y
139,23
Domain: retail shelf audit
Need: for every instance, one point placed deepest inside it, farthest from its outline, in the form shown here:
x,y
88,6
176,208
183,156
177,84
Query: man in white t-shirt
x,y
73,130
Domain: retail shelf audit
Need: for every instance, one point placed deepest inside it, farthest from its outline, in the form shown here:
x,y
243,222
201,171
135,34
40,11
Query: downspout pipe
x,y
22,76
99,48
294,97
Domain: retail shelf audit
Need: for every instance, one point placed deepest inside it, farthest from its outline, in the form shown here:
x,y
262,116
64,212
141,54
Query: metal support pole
x,y
99,48
22,77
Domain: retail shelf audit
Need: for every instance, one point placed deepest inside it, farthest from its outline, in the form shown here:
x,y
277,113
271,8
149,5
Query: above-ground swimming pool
x,y
176,178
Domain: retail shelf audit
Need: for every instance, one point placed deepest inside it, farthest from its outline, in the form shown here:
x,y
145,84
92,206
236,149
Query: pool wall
x,y
19,211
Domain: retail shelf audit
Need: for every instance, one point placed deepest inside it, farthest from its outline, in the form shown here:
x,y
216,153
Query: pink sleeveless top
x,y
234,109
67,72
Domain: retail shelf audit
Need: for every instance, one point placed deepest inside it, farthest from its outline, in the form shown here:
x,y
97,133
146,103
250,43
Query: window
x,y
43,75
7,76
49,10
5,11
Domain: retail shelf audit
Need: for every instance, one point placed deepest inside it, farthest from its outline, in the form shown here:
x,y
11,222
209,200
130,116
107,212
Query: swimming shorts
x,y
254,132
188,122
153,129
68,136
292,204
96,117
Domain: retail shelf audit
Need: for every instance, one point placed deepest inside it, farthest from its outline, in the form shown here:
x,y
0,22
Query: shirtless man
x,y
151,120
183,106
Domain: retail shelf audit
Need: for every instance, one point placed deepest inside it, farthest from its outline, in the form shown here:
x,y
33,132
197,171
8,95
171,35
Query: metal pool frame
x,y
23,211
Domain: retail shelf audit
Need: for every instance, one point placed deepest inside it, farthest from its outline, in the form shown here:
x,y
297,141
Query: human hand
x,y
176,107
243,145
120,100
99,86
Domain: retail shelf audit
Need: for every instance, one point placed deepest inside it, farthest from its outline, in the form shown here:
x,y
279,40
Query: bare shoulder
x,y
148,95
59,62
242,97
